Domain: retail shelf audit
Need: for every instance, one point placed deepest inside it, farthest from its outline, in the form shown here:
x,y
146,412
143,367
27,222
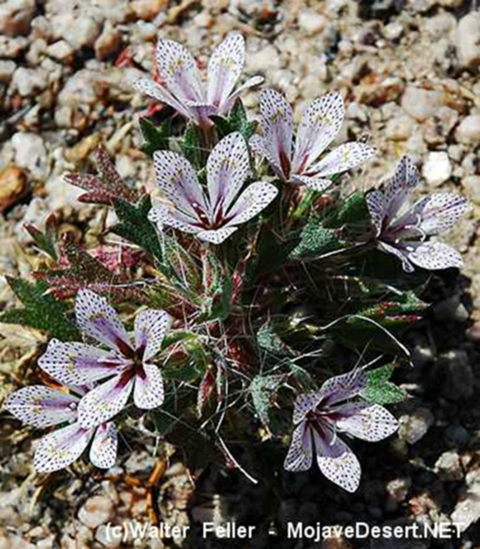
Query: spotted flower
x,y
214,213
182,87
404,231
298,160
123,366
44,407
319,417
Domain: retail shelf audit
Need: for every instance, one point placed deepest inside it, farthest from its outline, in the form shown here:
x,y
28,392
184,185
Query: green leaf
x,y
156,137
381,391
191,145
135,226
271,342
315,241
42,311
46,241
238,121
353,211
263,389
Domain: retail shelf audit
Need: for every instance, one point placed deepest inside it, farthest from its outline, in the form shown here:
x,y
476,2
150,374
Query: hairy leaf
x,y
381,391
155,137
263,389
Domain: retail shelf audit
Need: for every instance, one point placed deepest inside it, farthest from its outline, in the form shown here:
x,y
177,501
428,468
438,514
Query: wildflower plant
x,y
250,300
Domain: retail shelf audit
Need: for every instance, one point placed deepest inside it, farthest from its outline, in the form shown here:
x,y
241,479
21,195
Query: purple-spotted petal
x,y
343,158
399,252
179,72
105,401
42,406
300,454
148,391
250,83
61,448
160,93
337,461
227,168
77,363
178,180
98,319
367,422
318,184
255,198
277,125
162,214
440,211
201,112
399,186
305,403
434,255
103,451
216,236
343,387
150,328
376,208
224,68
320,123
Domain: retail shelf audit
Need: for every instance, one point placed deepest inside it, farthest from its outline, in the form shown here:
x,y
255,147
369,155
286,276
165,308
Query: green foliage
x,y
135,226
192,146
315,240
155,137
41,311
263,390
45,241
271,342
353,211
237,121
381,391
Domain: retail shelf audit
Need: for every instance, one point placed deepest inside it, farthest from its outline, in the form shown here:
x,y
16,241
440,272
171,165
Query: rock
x,y
61,50
29,82
265,59
450,309
451,3
414,426
437,168
472,185
449,467
397,491
147,9
80,88
79,31
13,183
420,103
15,17
468,40
436,129
456,436
96,510
108,42
107,537
440,25
311,22
421,355
457,372
393,31
30,153
399,128
7,68
469,130
375,90
467,510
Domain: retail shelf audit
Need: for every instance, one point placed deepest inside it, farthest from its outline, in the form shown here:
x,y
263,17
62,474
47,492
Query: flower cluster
x,y
252,269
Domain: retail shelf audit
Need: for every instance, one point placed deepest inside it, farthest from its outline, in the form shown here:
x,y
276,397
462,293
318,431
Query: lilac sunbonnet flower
x,y
182,87
299,162
44,407
320,416
403,231
212,215
128,367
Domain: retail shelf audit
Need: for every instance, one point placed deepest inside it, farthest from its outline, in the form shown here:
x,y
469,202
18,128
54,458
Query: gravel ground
x,y
409,72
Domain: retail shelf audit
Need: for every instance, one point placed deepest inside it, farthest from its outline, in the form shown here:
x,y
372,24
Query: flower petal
x,y
300,454
162,214
376,208
228,166
224,68
277,125
77,363
400,252
105,401
42,406
305,403
98,319
178,180
160,93
179,72
337,461
399,186
148,392
255,198
150,328
368,422
230,101
343,158
61,448
434,255
216,236
103,451
315,183
320,123
440,211
343,387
